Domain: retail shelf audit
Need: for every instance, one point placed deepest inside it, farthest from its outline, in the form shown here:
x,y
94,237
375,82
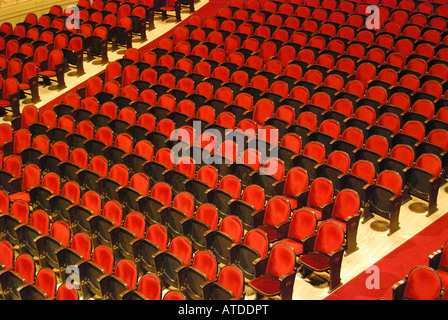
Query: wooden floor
x,y
373,245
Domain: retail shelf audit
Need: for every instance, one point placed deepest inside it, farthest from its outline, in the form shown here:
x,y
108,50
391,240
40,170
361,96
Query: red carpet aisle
x,y
207,11
396,265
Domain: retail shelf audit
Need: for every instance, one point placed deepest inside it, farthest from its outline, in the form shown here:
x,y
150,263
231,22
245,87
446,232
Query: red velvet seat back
x,y
232,278
150,286
113,211
354,136
263,109
293,142
184,202
145,149
158,235
209,175
25,266
79,157
315,150
46,280
346,204
378,144
92,201
6,254
66,292
403,153
105,135
438,137
423,283
208,214
321,99
42,143
61,231
343,106
365,170
166,126
269,134
339,160
257,240
321,192
401,100
4,202
40,220
60,149
162,191
72,191
135,222
125,142
303,224
330,237
390,121
103,257
366,113
424,107
186,165
20,210
99,165
274,167
126,270
140,182
277,211
281,260
30,177
13,165
391,180
81,244
301,94
181,247
254,195
296,181
232,185
414,129
431,163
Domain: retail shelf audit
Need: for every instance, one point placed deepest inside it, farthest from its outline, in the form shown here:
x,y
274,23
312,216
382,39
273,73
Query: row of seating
x,y
20,278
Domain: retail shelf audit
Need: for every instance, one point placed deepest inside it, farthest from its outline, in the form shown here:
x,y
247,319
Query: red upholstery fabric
x,y
103,257
46,280
266,284
277,211
316,261
258,241
6,254
135,222
206,262
149,285
127,271
232,226
232,278
162,191
208,214
158,235
181,247
391,180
